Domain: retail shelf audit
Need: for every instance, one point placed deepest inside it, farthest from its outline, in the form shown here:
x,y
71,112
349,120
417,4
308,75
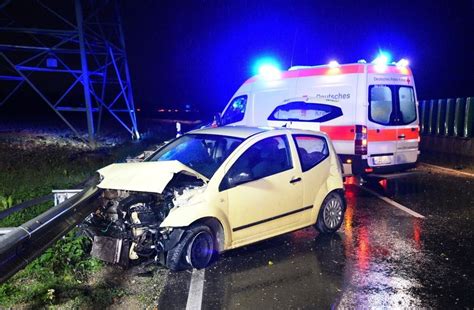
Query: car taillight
x,y
360,146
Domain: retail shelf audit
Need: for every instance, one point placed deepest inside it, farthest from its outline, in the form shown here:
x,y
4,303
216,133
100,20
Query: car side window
x,y
311,150
266,157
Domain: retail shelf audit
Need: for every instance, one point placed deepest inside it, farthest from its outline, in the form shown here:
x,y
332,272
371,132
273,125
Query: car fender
x,y
185,216
334,182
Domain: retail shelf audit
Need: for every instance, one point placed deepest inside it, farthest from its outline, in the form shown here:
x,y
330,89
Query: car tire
x,y
331,214
195,250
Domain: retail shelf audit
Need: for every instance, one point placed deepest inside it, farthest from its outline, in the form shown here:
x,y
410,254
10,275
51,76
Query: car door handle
x,y
295,180
402,136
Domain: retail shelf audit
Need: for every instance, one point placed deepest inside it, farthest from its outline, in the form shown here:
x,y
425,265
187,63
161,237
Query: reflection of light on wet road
x,y
417,233
381,250
363,250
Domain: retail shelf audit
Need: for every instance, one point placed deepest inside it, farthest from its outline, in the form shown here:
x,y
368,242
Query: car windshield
x,y
203,153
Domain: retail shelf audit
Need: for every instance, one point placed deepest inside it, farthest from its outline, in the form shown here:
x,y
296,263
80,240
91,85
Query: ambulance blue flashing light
x,y
381,62
269,72
268,69
382,59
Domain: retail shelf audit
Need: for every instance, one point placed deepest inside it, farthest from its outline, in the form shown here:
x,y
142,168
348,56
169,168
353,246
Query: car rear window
x,y
305,112
311,150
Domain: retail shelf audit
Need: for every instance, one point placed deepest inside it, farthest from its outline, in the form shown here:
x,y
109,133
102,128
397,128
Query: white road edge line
x,y
393,203
196,289
447,170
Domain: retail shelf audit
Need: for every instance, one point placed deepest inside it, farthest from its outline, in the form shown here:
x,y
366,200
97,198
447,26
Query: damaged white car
x,y
213,190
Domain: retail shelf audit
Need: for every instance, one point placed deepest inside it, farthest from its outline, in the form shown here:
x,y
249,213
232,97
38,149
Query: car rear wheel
x,y
331,214
195,250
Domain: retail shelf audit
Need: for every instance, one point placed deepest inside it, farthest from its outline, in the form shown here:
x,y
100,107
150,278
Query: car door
x,y
264,191
313,153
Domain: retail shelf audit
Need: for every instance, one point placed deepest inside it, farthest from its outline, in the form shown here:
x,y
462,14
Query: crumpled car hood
x,y
152,176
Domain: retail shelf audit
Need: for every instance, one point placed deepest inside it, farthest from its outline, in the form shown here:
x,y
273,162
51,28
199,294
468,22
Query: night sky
x,y
199,52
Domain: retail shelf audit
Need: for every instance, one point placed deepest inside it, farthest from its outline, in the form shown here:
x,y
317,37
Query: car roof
x,y
232,131
245,131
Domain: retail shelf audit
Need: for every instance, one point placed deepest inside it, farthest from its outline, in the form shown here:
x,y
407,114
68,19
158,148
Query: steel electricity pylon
x,y
72,54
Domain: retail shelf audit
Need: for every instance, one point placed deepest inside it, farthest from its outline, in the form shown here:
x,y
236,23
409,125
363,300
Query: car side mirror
x,y
240,178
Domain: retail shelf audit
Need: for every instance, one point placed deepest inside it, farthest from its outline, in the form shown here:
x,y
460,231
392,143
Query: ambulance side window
x,y
305,112
235,111
380,107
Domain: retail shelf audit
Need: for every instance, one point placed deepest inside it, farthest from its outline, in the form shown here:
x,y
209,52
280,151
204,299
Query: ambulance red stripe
x,y
348,69
347,133
389,70
344,133
377,135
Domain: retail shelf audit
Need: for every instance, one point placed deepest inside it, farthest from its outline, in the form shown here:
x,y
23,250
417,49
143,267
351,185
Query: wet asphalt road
x,y
381,257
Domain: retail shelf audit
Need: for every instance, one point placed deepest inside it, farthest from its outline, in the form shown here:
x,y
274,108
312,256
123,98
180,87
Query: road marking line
x,y
196,288
447,170
393,203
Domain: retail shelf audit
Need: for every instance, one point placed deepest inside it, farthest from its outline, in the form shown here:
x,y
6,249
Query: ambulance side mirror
x,y
217,121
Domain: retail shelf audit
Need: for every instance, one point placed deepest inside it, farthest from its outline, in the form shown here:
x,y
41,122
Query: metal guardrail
x,y
25,205
447,117
20,245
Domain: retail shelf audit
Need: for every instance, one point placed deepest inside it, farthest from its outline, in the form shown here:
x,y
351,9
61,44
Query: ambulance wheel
x,y
331,214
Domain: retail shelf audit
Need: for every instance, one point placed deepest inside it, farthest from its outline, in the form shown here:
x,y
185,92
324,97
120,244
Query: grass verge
x,y
61,275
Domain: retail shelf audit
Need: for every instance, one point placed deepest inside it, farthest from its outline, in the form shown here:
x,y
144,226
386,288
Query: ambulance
x,y
369,110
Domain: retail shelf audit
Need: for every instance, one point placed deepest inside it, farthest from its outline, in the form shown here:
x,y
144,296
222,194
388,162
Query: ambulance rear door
x,y
392,120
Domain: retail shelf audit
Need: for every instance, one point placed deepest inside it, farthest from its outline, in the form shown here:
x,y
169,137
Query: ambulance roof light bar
x,y
403,63
299,67
334,64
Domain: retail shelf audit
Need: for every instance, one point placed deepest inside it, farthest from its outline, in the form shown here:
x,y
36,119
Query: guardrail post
x,y
459,117
440,116
422,112
432,118
469,118
449,119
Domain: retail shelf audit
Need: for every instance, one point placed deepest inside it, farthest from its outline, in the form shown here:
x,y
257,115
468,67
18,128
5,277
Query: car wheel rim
x,y
333,213
201,250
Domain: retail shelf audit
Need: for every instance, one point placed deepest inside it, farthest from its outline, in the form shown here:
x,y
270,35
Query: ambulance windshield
x,y
392,104
235,111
